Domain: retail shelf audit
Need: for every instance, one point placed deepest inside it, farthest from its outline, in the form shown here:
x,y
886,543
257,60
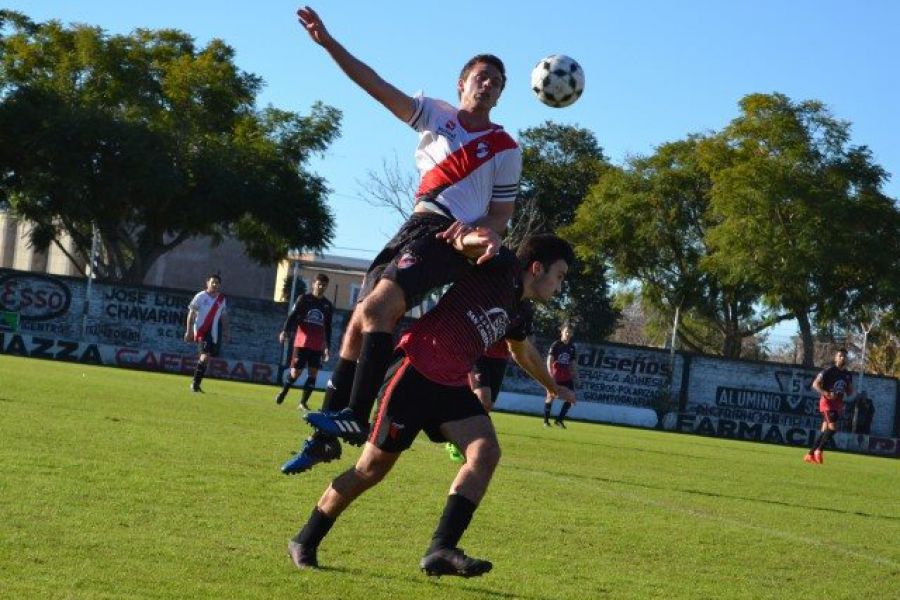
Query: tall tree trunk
x,y
806,337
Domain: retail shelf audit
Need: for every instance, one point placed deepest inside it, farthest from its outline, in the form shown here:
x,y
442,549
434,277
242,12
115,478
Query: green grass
x,y
123,484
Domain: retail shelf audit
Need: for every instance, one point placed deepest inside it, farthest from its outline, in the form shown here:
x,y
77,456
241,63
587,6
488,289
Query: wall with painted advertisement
x,y
774,403
135,326
623,384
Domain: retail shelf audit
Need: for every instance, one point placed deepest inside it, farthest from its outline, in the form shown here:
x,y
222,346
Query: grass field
x,y
123,484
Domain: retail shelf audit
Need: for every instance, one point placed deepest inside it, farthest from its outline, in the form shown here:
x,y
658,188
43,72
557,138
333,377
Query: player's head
x,y
213,281
840,357
545,259
320,284
481,80
565,333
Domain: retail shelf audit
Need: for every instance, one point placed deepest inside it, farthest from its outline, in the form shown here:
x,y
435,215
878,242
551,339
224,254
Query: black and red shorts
x,y
305,357
488,373
408,403
416,260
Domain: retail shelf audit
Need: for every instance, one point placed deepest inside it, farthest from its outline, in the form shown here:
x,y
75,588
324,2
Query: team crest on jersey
x,y
406,261
491,324
315,316
482,149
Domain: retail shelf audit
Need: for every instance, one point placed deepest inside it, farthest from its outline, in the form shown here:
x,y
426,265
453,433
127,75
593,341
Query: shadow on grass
x,y
433,583
650,486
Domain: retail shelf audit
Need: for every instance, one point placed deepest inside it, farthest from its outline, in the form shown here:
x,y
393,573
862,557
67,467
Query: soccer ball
x,y
557,80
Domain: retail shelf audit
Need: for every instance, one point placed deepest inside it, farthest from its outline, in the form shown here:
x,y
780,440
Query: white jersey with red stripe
x,y
463,171
203,303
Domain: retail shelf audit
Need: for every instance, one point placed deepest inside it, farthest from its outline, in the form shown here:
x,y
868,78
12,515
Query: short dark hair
x,y
214,276
841,351
484,58
322,277
546,249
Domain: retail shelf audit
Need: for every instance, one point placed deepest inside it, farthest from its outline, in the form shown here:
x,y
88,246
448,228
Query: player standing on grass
x,y
469,169
833,385
311,318
427,388
206,312
561,361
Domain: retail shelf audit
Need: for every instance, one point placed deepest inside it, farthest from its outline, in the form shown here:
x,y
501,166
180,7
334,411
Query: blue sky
x,y
656,70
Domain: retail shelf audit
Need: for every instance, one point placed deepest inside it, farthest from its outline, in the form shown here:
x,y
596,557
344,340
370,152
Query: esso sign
x,y
34,297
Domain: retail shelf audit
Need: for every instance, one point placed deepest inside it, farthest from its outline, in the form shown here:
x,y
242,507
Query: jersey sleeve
x,y
429,113
509,172
523,326
195,301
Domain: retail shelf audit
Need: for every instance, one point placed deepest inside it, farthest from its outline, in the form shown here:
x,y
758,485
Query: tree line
x,y
153,140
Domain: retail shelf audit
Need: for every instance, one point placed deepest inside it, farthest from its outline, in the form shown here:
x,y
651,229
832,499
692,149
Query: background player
x,y
311,318
561,360
206,312
469,170
833,384
427,389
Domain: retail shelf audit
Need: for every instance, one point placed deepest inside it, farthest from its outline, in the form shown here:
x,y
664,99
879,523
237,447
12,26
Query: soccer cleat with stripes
x,y
808,458
315,450
343,424
455,455
453,561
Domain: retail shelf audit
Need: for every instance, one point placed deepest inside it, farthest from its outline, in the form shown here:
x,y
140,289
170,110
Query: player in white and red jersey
x,y
310,319
469,170
207,324
427,389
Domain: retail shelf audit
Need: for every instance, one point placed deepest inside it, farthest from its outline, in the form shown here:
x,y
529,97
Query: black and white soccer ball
x,y
557,80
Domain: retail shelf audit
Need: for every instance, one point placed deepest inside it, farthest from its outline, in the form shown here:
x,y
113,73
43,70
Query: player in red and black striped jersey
x,y
469,177
427,389
561,360
311,319
833,384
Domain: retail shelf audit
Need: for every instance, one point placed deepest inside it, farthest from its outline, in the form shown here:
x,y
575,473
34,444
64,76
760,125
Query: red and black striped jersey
x,y
480,309
311,317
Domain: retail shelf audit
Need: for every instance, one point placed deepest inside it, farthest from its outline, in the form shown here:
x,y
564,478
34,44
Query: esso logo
x,y
34,297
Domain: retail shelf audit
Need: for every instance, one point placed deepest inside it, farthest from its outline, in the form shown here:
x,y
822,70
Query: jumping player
x,y
469,177
561,361
311,318
206,312
833,385
427,388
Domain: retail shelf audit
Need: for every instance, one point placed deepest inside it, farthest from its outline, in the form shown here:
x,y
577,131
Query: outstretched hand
x,y
313,24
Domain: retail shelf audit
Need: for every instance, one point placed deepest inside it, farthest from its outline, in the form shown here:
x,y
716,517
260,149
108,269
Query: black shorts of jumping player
x,y
409,403
416,260
305,357
208,347
567,384
488,373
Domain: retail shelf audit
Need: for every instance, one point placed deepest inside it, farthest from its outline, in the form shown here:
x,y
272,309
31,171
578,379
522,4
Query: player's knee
x,y
382,310
484,453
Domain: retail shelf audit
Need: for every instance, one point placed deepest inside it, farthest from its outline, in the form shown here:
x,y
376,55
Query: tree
x,y
154,141
798,212
649,221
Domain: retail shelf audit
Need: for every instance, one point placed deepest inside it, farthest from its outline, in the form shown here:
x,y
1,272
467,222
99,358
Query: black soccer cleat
x,y
280,397
453,561
302,556
342,424
195,387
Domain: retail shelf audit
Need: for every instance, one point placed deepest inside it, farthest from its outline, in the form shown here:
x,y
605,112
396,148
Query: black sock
x,y
289,382
315,530
308,388
337,392
199,372
564,411
456,518
823,439
374,359
547,407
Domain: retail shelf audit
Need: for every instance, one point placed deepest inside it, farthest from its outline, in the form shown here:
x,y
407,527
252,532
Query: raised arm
x,y
401,105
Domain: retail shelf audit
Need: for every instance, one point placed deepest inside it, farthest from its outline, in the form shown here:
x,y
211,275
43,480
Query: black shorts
x,y
488,373
207,346
304,357
409,403
567,384
417,261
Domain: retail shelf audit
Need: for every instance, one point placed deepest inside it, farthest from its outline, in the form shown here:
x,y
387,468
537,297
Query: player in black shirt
x,y
833,385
